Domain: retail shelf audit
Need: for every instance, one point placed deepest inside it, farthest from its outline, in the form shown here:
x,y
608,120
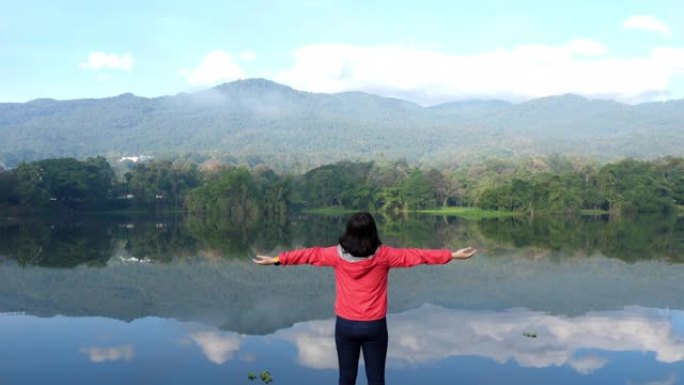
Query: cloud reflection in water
x,y
431,333
672,380
116,353
217,347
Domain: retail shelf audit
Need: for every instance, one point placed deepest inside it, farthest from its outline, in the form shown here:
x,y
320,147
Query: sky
x,y
427,51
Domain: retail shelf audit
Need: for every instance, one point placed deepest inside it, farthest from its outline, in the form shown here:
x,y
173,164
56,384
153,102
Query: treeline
x,y
93,184
64,182
531,186
629,186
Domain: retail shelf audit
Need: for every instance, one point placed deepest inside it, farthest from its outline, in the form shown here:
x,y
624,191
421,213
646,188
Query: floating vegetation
x,y
264,376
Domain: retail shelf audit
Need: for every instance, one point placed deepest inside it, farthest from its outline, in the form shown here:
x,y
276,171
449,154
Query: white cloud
x,y
218,66
247,55
646,23
430,76
500,336
104,77
218,348
111,61
98,354
585,47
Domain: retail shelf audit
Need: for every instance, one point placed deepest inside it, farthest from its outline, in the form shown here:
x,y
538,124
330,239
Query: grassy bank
x,y
333,210
468,212
125,212
465,212
591,212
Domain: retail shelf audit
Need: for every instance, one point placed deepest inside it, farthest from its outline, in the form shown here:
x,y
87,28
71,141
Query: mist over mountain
x,y
257,120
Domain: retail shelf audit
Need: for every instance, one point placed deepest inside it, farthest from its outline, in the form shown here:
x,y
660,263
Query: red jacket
x,y
361,286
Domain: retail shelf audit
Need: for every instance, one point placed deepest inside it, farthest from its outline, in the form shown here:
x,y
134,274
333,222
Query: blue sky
x,y
427,51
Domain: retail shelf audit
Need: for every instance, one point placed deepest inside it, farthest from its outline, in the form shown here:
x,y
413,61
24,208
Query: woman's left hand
x,y
264,260
464,253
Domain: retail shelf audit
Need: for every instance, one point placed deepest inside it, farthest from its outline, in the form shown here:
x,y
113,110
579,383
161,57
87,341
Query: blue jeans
x,y
353,336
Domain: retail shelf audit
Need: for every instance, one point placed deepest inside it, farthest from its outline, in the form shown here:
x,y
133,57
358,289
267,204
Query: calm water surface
x,y
168,300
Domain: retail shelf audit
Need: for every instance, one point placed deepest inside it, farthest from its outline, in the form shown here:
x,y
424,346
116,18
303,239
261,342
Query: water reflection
x,y
195,306
236,295
97,240
635,345
218,347
629,239
671,380
103,354
433,333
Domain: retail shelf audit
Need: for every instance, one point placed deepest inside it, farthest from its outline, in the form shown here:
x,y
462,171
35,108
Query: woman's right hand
x,y
464,253
265,260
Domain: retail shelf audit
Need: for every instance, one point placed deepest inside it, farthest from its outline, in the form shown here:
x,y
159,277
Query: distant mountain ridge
x,y
258,120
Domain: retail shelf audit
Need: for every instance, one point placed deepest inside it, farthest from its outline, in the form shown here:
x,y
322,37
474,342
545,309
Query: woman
x,y
361,264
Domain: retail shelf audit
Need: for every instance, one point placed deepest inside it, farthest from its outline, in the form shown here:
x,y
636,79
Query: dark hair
x,y
360,239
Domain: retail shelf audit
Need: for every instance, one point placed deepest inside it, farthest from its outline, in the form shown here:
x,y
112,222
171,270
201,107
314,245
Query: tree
x,y
31,187
417,191
162,183
673,172
274,191
8,188
445,189
340,184
636,186
233,194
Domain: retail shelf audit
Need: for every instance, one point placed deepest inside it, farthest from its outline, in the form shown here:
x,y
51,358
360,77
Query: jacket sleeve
x,y
317,256
412,257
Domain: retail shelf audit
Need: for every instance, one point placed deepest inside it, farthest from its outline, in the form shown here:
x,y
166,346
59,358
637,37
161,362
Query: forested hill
x,y
257,120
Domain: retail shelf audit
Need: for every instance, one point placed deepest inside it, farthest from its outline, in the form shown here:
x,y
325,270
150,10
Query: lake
x,y
172,300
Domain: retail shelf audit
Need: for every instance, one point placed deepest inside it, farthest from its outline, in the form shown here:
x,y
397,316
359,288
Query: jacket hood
x,y
356,268
350,258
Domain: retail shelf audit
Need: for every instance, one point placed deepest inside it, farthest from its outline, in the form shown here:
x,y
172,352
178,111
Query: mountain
x,y
257,120
471,108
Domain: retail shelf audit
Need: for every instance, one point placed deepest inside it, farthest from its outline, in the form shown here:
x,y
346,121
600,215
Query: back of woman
x,y
361,264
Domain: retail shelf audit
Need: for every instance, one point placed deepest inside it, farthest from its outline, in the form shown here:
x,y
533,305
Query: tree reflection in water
x,y
94,240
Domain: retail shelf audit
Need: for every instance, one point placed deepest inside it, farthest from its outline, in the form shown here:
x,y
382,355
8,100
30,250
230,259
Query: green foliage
x,y
274,193
416,191
530,186
636,186
66,181
673,173
623,187
8,188
340,184
233,194
264,376
30,185
160,184
412,193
